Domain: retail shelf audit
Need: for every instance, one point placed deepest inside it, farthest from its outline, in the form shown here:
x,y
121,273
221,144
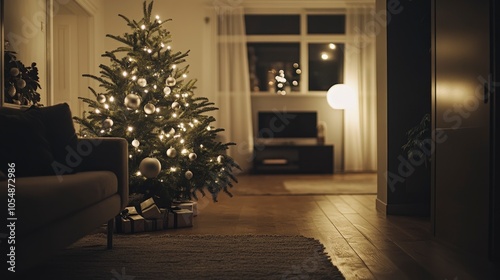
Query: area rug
x,y
163,256
306,185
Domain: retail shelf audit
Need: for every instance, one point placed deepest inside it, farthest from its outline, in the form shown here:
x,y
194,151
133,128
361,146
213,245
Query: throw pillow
x,y
24,143
60,132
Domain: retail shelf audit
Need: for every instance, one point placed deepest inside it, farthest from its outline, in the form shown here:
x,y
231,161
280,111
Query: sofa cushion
x,y
46,199
24,143
59,129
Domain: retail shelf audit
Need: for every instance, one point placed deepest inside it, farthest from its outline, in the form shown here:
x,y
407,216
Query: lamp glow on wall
x,y
341,97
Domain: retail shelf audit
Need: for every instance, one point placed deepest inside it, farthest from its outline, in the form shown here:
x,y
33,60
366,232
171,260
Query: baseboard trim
x,y
381,206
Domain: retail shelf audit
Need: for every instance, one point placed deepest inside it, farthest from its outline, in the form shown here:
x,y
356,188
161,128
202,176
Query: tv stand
x,y
293,159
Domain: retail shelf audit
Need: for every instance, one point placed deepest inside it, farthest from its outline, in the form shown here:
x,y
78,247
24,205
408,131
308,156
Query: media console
x,y
296,159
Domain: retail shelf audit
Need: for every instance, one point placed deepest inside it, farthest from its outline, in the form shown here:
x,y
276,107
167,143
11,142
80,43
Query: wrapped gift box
x,y
180,218
129,224
189,205
149,209
153,224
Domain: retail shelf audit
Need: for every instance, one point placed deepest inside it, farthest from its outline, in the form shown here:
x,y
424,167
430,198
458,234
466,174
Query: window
x,y
295,52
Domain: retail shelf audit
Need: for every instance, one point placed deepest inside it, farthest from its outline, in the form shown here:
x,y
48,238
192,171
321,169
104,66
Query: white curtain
x,y
233,85
360,121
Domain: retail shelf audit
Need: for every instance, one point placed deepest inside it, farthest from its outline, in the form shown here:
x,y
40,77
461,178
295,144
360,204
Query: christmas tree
x,y
146,98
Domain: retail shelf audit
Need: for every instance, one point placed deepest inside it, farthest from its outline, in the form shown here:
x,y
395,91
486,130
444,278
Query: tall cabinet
x,y
462,118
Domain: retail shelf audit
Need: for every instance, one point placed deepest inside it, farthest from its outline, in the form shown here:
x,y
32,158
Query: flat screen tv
x,y
287,125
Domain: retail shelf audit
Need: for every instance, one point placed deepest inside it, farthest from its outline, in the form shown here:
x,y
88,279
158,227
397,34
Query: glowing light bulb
x,y
182,141
324,56
134,78
130,128
184,151
174,115
111,99
97,111
143,27
195,121
173,169
161,136
184,75
209,128
124,73
174,66
138,173
102,131
129,156
201,146
106,106
162,45
157,17
332,46
169,47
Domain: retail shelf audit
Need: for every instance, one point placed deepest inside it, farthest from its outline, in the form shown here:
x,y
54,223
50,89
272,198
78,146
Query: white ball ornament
x,y
142,82
175,105
101,98
170,81
188,174
220,159
171,152
150,167
14,71
135,143
11,90
192,156
132,101
149,108
107,123
167,91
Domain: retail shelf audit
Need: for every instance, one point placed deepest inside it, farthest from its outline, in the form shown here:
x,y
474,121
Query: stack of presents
x,y
148,217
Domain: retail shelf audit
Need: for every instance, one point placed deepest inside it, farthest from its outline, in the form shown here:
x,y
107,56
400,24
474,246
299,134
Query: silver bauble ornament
x,y
167,91
132,101
21,83
14,71
170,81
175,105
150,167
107,123
192,156
11,90
171,152
135,143
142,82
101,98
149,108
188,174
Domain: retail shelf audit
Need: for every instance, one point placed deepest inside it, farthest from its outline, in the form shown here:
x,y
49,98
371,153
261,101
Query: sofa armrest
x,y
107,153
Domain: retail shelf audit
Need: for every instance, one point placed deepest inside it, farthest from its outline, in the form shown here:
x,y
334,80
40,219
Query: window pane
x,y
326,65
326,24
274,67
272,24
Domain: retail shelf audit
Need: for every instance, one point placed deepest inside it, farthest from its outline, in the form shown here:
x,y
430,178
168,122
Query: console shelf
x,y
296,159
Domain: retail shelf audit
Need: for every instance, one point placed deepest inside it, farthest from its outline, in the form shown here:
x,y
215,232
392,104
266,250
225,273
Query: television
x,y
291,127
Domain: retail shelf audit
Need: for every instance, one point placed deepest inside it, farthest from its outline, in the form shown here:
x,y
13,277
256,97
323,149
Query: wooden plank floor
x,y
362,243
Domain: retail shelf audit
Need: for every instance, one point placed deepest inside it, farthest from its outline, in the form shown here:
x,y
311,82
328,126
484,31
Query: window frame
x,y
303,39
